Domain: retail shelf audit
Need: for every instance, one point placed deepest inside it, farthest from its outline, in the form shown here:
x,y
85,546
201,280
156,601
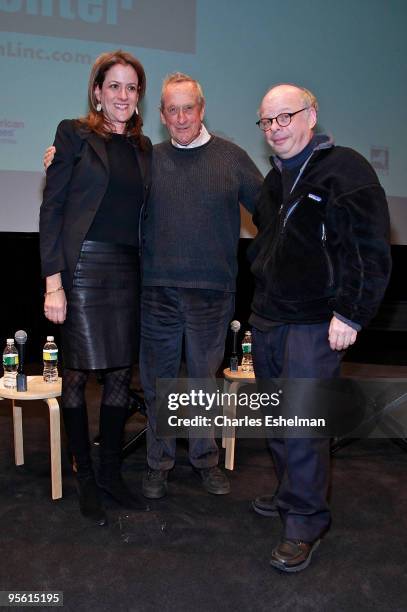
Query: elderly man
x,y
191,234
321,263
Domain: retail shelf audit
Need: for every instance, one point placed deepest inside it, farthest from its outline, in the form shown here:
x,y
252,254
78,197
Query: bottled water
x,y
10,364
50,359
247,359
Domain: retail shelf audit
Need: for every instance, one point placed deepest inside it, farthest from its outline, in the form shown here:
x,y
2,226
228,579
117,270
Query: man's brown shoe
x,y
293,555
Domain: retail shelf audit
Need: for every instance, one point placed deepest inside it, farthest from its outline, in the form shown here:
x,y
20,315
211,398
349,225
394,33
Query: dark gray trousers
x,y
171,315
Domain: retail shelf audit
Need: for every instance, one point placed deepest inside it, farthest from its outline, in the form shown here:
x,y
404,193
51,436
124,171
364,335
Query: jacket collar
x,y
320,141
98,145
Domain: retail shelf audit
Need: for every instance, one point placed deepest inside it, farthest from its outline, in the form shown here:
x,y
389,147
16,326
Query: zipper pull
x,y
323,237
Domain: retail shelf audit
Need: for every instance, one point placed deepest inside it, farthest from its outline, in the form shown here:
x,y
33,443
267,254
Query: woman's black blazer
x,y
76,183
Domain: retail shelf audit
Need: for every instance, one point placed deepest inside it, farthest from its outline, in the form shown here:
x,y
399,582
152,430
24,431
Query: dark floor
x,y
194,551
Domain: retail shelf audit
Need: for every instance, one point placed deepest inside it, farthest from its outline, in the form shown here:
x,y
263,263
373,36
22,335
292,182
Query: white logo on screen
x,y
90,11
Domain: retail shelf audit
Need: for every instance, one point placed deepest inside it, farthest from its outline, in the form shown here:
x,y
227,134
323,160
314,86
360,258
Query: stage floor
x,y
200,552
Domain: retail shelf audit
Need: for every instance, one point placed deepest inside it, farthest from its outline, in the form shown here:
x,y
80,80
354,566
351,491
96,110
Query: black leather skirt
x,y
102,327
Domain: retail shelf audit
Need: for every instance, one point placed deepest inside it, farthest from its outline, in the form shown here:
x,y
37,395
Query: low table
x,y
37,389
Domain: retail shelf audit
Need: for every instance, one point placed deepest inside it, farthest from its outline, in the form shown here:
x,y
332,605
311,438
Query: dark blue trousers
x,y
169,316
302,465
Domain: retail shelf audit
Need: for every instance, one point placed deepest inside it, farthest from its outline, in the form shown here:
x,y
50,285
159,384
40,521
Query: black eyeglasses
x,y
283,119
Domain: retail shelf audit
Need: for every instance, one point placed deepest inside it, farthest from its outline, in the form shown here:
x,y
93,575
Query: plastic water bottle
x,y
10,364
50,359
247,359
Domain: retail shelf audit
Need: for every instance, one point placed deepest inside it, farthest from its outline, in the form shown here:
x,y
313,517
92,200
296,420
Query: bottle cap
x,y
50,338
10,340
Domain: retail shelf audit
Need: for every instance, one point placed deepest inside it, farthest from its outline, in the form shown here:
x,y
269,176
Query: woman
x,y
94,196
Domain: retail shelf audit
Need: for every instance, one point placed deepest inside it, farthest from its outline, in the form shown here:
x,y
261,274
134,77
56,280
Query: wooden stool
x,y
233,381
37,389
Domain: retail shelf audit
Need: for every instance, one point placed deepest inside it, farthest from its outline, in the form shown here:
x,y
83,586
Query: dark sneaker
x,y
266,505
293,555
214,480
155,483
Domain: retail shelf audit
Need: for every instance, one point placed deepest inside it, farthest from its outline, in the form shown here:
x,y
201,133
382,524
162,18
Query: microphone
x,y
20,338
234,362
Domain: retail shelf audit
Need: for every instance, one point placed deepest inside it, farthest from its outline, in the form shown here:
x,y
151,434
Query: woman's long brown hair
x,y
96,121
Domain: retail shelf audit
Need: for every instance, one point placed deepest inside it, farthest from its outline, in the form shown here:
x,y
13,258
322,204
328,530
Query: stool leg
x,y
55,445
226,386
18,434
231,434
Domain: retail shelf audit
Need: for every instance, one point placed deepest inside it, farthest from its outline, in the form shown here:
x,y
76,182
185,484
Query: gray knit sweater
x,y
192,222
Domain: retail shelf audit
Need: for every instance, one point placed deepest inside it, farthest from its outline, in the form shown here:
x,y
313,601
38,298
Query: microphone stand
x,y
234,361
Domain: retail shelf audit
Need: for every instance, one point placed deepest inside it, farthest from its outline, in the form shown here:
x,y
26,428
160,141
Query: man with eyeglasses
x,y
321,262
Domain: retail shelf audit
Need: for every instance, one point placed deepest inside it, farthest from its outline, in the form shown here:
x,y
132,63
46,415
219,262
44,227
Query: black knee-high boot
x,y
112,421
77,431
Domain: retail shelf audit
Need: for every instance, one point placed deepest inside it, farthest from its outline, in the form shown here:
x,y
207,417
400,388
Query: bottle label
x,y
246,347
10,359
50,355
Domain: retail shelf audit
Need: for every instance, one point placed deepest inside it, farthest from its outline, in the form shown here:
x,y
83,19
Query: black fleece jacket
x,y
323,248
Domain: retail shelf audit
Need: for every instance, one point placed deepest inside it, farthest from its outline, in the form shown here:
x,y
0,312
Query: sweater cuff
x,y
351,324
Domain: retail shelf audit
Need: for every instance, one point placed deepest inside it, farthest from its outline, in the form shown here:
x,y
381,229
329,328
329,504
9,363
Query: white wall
x,y
352,54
